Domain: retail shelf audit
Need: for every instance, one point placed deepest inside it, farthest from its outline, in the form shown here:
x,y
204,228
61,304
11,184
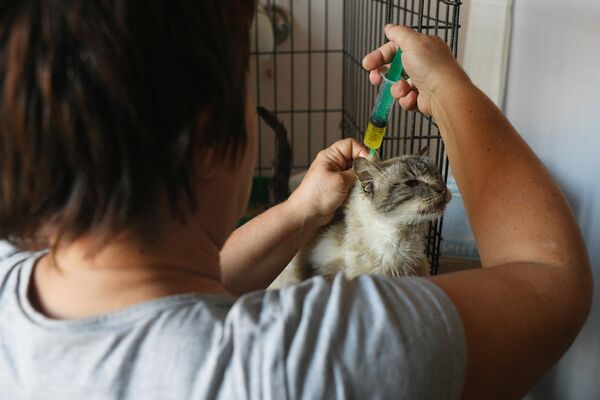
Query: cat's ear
x,y
365,172
423,151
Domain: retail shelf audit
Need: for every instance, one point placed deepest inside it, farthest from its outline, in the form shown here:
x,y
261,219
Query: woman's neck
x,y
75,281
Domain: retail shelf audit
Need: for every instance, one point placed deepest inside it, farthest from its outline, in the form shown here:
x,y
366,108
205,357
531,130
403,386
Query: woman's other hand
x,y
327,183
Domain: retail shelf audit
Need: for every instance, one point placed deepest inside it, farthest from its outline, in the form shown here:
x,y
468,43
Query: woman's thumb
x,y
348,179
399,34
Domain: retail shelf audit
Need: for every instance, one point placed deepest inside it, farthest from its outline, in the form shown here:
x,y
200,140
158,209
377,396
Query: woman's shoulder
x,y
11,258
357,332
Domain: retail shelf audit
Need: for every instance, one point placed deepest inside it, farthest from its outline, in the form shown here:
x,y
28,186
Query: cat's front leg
x,y
291,275
296,271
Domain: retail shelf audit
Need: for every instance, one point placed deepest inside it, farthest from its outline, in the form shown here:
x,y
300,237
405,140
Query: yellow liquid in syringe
x,y
374,136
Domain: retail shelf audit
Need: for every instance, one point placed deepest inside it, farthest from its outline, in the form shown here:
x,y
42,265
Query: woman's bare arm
x,y
525,307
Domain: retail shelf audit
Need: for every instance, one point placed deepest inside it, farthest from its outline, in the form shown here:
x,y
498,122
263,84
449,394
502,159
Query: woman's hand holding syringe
x,y
427,60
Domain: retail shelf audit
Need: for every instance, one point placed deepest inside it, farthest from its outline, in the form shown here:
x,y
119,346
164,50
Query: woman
x,y
126,155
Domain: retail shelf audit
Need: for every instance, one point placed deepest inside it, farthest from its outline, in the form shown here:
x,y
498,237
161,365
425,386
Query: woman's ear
x,y
205,159
206,163
365,172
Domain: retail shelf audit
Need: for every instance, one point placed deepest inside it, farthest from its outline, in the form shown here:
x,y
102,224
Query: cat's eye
x,y
412,183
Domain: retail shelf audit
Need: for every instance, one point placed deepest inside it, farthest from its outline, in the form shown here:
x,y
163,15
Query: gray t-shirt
x,y
368,338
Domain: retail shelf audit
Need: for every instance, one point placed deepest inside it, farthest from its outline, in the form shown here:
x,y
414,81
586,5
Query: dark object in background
x,y
267,191
281,22
259,199
282,165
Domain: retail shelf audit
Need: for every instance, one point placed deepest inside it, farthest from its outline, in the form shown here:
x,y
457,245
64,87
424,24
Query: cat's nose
x,y
445,193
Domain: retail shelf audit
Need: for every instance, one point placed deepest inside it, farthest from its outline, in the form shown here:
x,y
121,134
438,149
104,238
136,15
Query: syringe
x,y
383,105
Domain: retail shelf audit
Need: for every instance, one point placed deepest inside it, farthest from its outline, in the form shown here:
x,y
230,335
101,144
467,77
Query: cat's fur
x,y
380,227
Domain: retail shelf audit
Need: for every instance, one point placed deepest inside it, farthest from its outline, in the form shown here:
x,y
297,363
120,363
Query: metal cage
x,y
309,75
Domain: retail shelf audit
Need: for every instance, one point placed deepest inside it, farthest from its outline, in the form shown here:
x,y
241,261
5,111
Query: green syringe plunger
x,y
383,105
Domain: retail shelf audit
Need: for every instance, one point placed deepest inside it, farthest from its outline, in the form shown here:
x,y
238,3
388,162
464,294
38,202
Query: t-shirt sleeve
x,y
7,250
9,256
371,337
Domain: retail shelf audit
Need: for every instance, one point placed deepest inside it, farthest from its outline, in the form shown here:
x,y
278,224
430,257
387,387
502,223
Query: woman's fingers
x,y
340,154
375,75
401,35
379,57
401,89
406,94
375,62
409,102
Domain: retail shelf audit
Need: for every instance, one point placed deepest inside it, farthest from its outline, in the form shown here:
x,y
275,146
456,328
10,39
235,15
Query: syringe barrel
x,y
383,103
381,111
374,135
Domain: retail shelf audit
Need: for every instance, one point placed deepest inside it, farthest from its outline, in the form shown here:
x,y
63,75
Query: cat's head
x,y
406,189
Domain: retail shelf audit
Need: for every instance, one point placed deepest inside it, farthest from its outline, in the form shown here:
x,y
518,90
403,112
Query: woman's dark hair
x,y
103,103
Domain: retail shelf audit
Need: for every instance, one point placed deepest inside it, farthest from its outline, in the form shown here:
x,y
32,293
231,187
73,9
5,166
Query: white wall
x,y
553,99
483,45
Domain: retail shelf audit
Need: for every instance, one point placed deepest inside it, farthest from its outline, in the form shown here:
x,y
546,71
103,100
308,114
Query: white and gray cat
x,y
380,228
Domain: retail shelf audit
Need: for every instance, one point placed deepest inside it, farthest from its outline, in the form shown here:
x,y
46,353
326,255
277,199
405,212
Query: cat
x,y
380,228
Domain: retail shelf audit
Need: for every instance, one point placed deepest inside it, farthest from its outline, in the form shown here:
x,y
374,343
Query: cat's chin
x,y
430,214
436,210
